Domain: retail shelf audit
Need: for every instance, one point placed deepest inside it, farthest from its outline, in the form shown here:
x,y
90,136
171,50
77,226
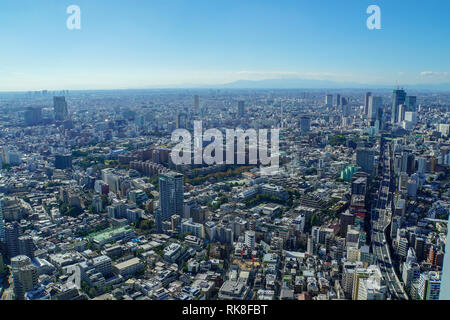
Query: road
x,y
381,218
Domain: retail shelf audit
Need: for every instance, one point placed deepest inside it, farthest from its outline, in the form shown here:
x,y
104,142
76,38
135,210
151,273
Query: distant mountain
x,y
294,83
297,83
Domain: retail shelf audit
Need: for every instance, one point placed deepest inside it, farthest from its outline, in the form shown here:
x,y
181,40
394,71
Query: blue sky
x,y
145,43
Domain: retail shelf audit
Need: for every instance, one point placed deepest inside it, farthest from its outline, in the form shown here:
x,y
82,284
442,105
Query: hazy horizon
x,y
179,43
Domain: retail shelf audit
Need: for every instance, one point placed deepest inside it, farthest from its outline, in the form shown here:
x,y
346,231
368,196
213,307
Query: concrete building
x,y
25,275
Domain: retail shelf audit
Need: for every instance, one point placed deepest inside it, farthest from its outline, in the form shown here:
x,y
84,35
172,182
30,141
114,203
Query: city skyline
x,y
195,150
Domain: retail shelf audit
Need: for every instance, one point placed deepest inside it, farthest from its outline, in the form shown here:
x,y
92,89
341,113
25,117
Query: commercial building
x,y
25,275
171,191
60,108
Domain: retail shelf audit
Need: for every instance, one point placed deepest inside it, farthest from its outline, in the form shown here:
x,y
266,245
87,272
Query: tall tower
x,y
32,116
181,121
25,275
365,159
241,108
26,246
374,107
411,103
366,102
281,116
12,234
398,98
196,104
60,108
171,190
329,100
305,124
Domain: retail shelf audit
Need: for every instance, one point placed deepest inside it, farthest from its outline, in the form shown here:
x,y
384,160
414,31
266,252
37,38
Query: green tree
x,y
314,220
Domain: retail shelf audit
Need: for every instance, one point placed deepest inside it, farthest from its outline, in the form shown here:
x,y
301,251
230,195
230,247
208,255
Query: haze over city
x,y
180,43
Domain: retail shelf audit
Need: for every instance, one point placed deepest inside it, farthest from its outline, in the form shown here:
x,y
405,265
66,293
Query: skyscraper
x,y
329,100
410,103
430,285
171,190
398,98
181,120
60,108
196,103
366,102
26,246
374,107
305,124
12,234
33,116
241,108
343,101
401,112
338,100
25,275
365,159
249,238
379,122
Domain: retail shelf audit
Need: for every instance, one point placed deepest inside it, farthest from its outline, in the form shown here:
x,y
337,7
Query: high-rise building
x,y
305,124
25,275
368,284
419,247
346,110
344,101
359,186
346,219
402,248
366,102
241,108
410,273
196,103
329,100
379,122
430,285
63,161
365,158
33,116
395,225
12,234
348,275
399,97
401,113
375,104
408,163
171,190
338,100
181,120
175,221
249,238
26,246
60,108
310,247
411,103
